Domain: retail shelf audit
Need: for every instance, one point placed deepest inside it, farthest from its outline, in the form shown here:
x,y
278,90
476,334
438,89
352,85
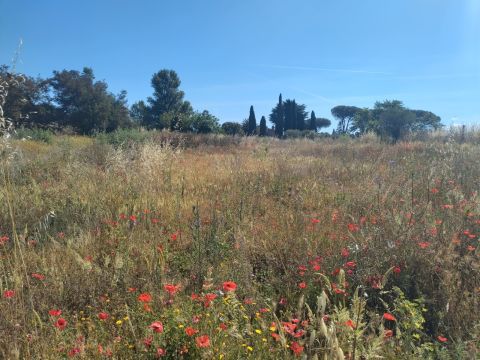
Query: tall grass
x,y
322,238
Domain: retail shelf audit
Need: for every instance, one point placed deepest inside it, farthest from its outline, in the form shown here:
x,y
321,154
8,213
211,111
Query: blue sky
x,y
233,54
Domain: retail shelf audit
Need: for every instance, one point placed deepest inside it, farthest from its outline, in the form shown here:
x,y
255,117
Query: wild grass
x,y
326,240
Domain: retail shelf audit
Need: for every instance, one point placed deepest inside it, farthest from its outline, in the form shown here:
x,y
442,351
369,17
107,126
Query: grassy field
x,y
237,249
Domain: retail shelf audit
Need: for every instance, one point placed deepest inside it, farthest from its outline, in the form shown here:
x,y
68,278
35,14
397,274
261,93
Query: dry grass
x,y
251,211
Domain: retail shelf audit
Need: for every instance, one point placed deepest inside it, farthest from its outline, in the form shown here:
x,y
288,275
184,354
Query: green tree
x,y
26,102
252,122
232,128
277,117
313,122
263,126
166,107
344,115
322,123
362,122
204,123
85,104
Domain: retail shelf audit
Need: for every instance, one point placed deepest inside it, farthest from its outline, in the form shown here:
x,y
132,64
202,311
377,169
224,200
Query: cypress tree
x,y
280,125
313,122
263,126
252,122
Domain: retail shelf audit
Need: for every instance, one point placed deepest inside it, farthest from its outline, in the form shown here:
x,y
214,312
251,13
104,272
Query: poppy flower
x,y
73,352
171,289
296,348
8,294
55,312
161,352
103,316
157,327
145,297
388,316
350,324
302,285
133,218
229,286
353,227
38,276
424,244
397,269
61,323
203,341
190,331
350,264
174,236
442,339
3,240
148,342
470,248
388,334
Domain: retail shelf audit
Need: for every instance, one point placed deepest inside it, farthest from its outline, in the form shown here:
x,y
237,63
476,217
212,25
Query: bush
x,y
35,134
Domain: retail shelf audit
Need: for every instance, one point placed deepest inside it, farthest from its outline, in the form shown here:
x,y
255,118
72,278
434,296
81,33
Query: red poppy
x,y
73,352
424,244
203,341
345,252
174,236
148,342
103,316
161,352
190,331
61,323
223,326
350,264
388,316
350,324
276,336
353,227
38,276
145,297
442,339
3,240
315,221
296,348
302,285
470,248
8,294
171,289
55,312
157,327
397,269
229,286
388,334
133,218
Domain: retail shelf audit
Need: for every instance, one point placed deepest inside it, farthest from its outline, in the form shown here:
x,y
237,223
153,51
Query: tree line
x,y
76,101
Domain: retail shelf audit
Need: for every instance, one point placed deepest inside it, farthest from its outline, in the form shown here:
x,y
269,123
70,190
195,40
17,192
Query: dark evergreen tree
x,y
252,122
277,117
313,122
166,108
280,125
85,104
263,126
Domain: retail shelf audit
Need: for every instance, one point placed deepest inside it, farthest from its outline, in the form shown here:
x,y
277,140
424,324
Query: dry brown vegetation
x,y
380,229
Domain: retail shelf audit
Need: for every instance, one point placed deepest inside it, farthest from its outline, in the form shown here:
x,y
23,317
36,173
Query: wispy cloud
x,y
308,68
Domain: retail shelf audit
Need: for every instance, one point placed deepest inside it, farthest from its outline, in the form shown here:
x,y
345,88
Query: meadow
x,y
239,248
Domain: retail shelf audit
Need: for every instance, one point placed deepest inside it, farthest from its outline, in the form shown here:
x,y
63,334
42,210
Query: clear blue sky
x,y
233,54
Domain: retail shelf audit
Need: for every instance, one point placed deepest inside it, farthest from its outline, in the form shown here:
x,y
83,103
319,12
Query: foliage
x,y
85,104
263,127
252,123
232,128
